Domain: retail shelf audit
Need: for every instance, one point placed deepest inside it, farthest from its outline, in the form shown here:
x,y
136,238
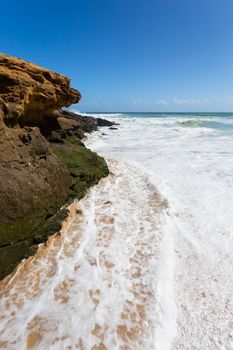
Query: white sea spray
x,y
190,157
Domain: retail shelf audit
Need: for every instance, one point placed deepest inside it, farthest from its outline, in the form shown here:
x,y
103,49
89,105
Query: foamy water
x,y
190,160
95,286
145,259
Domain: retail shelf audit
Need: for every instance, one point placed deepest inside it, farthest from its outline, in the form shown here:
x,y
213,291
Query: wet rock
x,y
104,122
87,123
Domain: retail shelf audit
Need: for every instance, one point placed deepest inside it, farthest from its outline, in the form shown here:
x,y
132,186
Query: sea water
x,y
144,261
190,160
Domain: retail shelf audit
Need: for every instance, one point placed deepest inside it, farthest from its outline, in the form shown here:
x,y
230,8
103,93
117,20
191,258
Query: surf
x,y
104,282
192,168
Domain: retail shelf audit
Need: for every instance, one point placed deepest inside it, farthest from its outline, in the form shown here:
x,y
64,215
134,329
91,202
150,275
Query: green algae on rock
x,y
85,167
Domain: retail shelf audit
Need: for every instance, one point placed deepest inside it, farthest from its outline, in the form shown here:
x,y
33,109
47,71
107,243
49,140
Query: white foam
x,y
98,115
95,286
165,333
192,168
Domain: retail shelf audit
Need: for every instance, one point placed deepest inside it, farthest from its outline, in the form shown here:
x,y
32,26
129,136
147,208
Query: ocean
x,y
189,160
144,261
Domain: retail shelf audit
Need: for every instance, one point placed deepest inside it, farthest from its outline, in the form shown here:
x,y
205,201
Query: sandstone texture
x,y
31,92
43,162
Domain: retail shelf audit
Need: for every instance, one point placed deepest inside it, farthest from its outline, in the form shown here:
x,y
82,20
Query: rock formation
x,y
43,163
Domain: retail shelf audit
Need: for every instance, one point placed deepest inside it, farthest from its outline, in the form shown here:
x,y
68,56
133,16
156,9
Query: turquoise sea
x,y
218,121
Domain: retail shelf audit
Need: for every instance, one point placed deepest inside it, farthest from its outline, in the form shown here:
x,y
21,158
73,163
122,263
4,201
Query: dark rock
x,y
87,123
104,122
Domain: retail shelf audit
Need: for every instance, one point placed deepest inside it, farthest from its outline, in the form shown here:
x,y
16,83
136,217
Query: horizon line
x,y
104,112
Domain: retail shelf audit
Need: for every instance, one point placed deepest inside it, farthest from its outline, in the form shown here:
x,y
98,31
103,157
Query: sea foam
x,y
190,160
99,284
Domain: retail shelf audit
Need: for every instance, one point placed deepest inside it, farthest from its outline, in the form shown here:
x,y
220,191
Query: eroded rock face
x,y
32,182
37,177
30,91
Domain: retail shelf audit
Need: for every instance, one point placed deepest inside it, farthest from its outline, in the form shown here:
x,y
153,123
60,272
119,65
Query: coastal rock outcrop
x,y
31,92
43,163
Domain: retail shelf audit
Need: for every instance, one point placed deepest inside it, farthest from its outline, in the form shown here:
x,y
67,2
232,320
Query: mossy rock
x,y
19,238
11,255
26,240
85,167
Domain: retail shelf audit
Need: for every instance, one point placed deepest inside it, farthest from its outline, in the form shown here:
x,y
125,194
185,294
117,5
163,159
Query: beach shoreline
x,y
97,273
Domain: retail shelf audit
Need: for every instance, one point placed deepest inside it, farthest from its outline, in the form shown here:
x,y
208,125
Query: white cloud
x,y
226,100
176,101
161,102
189,101
150,103
138,102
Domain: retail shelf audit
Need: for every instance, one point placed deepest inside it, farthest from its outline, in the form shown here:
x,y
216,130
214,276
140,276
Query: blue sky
x,y
125,55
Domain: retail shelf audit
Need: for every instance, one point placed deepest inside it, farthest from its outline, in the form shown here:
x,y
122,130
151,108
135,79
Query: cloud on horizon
x,y
160,104
173,101
189,101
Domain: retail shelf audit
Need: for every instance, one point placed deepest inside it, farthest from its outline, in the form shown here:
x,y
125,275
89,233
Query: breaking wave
x,y
210,124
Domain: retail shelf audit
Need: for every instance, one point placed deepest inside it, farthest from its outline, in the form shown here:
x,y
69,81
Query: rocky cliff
x,y
43,162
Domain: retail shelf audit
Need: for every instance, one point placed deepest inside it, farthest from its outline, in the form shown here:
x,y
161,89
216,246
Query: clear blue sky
x,y
129,55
